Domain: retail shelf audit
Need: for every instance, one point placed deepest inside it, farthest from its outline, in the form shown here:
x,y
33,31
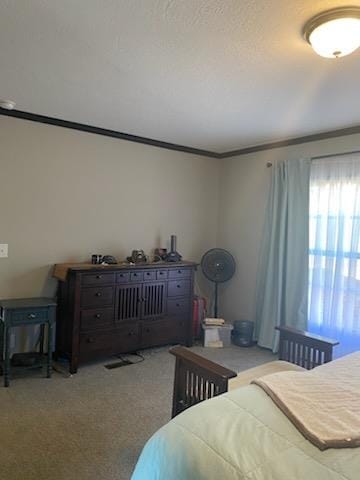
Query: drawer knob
x,y
121,275
178,286
98,294
90,340
148,330
32,315
130,334
98,276
98,315
179,271
178,304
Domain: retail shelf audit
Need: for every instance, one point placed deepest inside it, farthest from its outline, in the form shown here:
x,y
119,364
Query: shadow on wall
x,y
36,282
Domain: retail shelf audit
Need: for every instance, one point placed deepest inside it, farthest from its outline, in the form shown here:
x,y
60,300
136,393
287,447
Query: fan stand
x,y
216,301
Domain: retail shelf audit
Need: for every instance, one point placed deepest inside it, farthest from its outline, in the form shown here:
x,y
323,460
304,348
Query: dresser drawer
x,y
96,318
161,274
123,277
179,273
97,279
178,288
136,276
23,316
178,306
109,341
97,296
162,332
149,275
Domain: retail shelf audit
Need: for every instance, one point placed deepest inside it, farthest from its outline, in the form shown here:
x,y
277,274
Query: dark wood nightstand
x,y
22,312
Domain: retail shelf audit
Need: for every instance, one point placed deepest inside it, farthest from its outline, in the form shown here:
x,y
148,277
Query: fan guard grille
x,y
218,265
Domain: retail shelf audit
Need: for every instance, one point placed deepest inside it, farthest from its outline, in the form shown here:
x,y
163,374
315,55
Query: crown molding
x,y
293,141
34,117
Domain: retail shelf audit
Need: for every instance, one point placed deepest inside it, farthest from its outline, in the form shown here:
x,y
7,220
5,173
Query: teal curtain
x,y
282,280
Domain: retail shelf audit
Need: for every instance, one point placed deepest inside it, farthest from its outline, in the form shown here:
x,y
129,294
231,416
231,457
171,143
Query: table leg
x,y
2,328
42,335
73,368
50,349
7,356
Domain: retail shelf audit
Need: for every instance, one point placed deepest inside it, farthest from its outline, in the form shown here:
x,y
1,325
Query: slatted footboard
x,y
198,379
303,348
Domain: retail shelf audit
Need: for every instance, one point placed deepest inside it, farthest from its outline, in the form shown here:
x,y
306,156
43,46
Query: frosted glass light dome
x,y
335,33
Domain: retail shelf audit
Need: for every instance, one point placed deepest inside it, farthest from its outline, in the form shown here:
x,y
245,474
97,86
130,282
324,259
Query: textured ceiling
x,y
211,74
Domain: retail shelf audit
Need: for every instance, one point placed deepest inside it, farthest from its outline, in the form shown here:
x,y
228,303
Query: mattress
x,y
247,376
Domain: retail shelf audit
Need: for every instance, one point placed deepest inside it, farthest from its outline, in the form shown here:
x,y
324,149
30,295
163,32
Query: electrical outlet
x,y
3,250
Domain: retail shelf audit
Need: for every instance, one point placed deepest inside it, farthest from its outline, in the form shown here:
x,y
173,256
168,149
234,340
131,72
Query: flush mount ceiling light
x,y
334,33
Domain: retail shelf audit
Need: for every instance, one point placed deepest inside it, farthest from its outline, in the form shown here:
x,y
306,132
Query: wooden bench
x,y
198,379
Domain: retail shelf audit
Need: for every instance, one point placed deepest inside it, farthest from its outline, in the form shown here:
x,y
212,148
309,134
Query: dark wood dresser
x,y
105,310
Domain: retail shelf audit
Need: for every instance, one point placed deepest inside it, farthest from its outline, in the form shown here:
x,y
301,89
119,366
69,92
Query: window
x,y
334,256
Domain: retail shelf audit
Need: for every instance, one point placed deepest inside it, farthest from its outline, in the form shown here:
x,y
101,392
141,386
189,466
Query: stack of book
x,y
217,333
214,322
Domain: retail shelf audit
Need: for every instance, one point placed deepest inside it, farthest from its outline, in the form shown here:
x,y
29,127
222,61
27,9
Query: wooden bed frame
x,y
198,379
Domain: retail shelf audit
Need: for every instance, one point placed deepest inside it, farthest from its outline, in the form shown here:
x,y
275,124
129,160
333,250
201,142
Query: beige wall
x,y
66,194
244,185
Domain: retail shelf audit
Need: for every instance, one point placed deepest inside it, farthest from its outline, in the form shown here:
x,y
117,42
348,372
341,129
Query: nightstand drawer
x,y
97,296
29,315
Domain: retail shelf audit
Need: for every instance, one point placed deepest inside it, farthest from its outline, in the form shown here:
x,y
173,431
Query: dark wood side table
x,y
22,312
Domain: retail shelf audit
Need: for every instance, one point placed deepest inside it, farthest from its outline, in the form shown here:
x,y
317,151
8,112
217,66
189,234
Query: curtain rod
x,y
318,157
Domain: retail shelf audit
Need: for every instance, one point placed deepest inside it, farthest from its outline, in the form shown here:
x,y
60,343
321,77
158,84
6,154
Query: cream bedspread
x,y
324,403
241,435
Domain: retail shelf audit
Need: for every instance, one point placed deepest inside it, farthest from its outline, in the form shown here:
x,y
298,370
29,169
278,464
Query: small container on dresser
x,y
106,310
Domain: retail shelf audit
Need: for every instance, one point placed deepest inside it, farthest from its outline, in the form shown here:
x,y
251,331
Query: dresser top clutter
x,y
61,270
106,310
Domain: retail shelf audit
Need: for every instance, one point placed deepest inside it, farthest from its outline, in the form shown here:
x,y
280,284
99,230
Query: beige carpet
x,y
93,425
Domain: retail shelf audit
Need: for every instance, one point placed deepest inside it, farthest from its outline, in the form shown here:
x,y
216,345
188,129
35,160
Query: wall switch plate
x,y
4,250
